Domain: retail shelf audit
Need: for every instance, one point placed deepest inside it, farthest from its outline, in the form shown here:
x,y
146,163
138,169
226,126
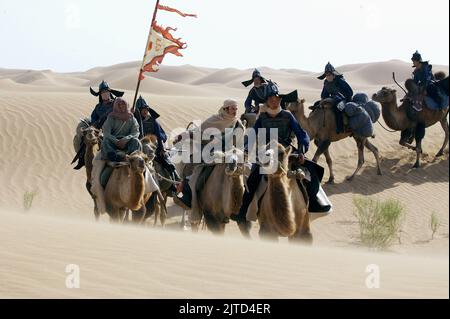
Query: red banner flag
x,y
161,42
169,9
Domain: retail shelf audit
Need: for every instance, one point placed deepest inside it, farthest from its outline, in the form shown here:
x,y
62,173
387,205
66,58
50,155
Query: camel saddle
x,y
327,104
347,128
108,170
416,101
106,174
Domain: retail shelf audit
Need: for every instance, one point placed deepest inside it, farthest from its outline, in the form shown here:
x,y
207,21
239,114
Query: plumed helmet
x,y
272,89
141,104
329,68
104,86
256,74
417,57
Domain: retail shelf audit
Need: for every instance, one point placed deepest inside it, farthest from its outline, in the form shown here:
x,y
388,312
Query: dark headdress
x,y
256,74
141,104
104,86
329,69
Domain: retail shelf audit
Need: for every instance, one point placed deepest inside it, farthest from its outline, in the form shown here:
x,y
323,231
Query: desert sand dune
x,y
39,113
141,263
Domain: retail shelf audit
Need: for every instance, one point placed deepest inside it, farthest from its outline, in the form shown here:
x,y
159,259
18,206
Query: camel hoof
x,y
302,239
307,239
330,182
245,228
350,178
380,173
416,166
195,228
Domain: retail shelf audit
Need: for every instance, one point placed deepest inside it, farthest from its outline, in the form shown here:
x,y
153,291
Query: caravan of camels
x,y
246,168
243,168
161,149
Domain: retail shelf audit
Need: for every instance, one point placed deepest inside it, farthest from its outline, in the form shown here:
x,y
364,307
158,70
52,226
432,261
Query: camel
x,y
92,139
156,205
397,119
223,192
283,210
321,127
126,189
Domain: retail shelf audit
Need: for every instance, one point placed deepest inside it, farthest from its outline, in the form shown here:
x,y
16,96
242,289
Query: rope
x,y
162,178
387,130
398,84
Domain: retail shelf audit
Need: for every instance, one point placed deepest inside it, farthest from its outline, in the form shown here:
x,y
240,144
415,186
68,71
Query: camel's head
x,y
137,161
278,159
234,163
149,148
296,107
150,139
91,135
440,75
385,95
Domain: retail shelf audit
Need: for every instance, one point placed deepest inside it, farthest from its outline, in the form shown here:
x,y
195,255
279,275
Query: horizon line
x,y
200,66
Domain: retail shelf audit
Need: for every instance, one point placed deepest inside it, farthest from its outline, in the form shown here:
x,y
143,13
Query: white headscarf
x,y
222,120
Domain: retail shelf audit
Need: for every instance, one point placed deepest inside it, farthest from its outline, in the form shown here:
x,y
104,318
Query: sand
x,y
39,112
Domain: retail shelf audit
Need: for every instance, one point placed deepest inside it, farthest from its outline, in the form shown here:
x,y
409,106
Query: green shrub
x,y
434,224
379,222
28,199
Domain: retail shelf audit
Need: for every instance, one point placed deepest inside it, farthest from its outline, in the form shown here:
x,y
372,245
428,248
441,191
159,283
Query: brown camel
x,y
126,189
223,192
92,139
283,210
321,127
157,203
397,119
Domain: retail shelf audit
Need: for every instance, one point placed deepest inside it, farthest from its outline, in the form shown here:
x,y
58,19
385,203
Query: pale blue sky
x,y
75,35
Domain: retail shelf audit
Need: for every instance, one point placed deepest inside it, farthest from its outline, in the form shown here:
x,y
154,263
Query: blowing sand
x,y
39,112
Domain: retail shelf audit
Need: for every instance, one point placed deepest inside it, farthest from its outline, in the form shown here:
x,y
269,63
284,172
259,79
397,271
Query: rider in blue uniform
x,y
286,124
257,94
336,88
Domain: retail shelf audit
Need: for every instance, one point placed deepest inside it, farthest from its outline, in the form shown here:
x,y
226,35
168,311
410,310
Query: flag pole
x,y
141,70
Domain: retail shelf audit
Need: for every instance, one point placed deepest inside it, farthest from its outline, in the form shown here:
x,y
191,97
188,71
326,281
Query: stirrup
x,y
416,108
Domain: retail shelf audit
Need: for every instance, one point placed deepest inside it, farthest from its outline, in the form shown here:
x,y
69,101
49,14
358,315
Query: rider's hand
x,y
301,159
341,106
180,187
121,144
